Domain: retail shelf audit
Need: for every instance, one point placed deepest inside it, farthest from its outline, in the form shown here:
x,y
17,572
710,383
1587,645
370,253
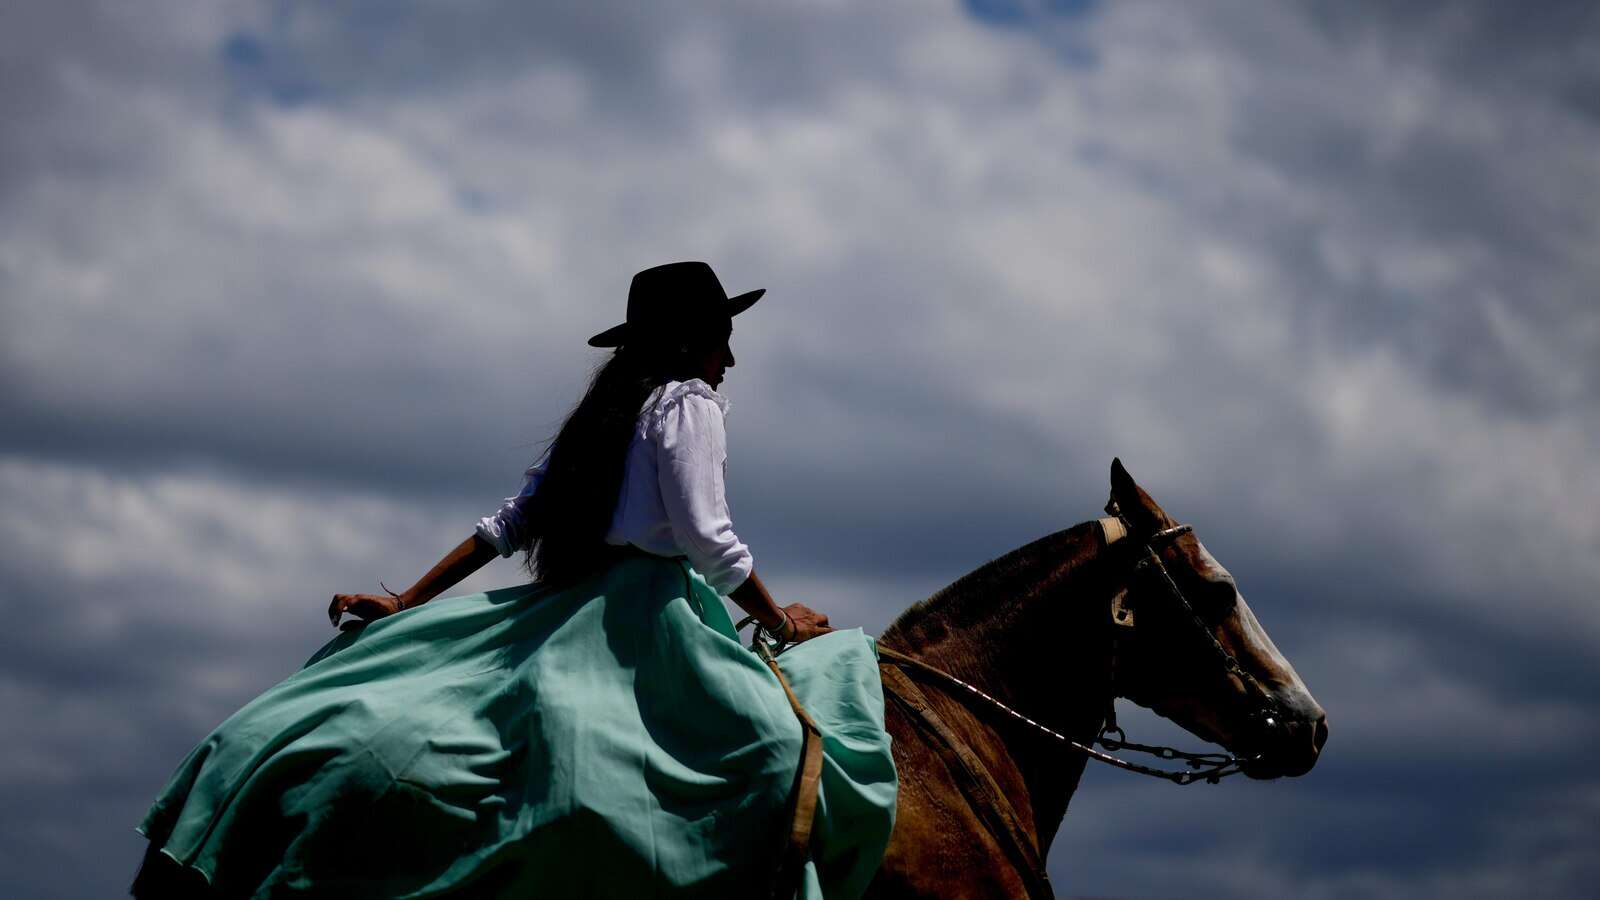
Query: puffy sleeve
x,y
691,449
507,529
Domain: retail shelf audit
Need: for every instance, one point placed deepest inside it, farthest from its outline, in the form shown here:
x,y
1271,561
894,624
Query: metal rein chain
x,y
1209,767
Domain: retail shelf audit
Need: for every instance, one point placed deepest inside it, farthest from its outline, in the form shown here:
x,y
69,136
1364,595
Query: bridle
x,y
1208,767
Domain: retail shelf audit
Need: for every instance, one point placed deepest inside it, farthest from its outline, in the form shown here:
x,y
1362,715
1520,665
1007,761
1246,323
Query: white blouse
x,y
672,501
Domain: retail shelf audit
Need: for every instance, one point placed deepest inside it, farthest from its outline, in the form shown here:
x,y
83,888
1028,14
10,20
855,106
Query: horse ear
x,y
1142,512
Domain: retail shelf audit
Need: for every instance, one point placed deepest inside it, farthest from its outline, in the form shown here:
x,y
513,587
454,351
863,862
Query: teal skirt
x,y
608,739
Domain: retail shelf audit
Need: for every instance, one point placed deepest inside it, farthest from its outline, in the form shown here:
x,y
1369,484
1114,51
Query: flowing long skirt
x,y
607,739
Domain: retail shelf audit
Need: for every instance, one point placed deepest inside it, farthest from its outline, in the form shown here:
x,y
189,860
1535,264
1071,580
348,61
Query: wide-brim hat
x,y
674,300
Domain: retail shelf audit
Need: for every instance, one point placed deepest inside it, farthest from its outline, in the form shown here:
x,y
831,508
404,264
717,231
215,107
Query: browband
x,y
1113,529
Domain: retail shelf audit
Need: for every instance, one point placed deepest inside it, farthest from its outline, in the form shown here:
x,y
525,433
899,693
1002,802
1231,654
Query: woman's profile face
x,y
711,359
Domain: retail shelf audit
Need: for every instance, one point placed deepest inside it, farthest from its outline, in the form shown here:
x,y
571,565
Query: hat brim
x,y
618,335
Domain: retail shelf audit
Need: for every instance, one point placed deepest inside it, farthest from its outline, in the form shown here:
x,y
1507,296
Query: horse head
x,y
1189,648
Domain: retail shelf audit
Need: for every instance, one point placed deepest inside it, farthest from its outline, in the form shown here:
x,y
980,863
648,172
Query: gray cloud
x,y
292,293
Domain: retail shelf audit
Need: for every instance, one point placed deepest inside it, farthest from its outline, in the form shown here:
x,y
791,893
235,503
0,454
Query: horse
x,y
1129,606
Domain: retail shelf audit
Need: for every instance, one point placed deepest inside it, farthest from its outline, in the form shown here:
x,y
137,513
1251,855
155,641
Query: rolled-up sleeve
x,y
691,453
507,529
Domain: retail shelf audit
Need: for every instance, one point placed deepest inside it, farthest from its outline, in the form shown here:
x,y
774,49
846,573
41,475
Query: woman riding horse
x,y
599,732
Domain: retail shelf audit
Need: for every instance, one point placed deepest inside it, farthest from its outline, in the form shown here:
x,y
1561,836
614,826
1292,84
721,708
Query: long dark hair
x,y
572,506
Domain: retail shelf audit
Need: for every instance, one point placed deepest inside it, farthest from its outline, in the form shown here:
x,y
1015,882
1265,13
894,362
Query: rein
x,y
1209,767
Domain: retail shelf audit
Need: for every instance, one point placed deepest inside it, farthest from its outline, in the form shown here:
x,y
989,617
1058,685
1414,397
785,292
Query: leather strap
x,y
1113,529
796,847
979,787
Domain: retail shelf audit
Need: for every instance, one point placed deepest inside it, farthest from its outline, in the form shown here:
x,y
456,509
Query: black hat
x,y
668,300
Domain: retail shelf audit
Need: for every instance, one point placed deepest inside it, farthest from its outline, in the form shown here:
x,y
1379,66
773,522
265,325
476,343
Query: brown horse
x,y
1058,629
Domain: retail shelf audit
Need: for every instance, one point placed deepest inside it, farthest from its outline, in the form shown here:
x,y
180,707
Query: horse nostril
x,y
1320,736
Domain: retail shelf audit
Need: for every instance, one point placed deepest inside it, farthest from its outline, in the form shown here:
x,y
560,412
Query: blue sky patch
x,y
254,68
1018,12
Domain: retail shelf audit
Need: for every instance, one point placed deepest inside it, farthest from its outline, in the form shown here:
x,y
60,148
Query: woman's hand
x,y
467,557
368,607
808,623
800,622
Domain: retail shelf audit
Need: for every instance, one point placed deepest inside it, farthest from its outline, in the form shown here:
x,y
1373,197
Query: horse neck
x,y
1030,630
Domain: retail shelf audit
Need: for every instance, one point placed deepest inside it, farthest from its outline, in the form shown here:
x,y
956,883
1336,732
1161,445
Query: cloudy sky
x,y
290,293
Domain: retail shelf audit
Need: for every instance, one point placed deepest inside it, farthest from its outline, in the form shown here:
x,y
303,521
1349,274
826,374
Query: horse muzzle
x,y
1288,749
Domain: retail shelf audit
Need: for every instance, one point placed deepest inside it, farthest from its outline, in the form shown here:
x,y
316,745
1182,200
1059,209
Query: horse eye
x,y
1217,601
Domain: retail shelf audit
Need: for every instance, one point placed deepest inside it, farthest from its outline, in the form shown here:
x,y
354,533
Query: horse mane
x,y
1013,573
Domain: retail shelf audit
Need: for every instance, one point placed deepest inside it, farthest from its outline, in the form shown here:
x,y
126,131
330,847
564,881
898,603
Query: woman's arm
x,y
690,449
468,556
795,622
691,446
